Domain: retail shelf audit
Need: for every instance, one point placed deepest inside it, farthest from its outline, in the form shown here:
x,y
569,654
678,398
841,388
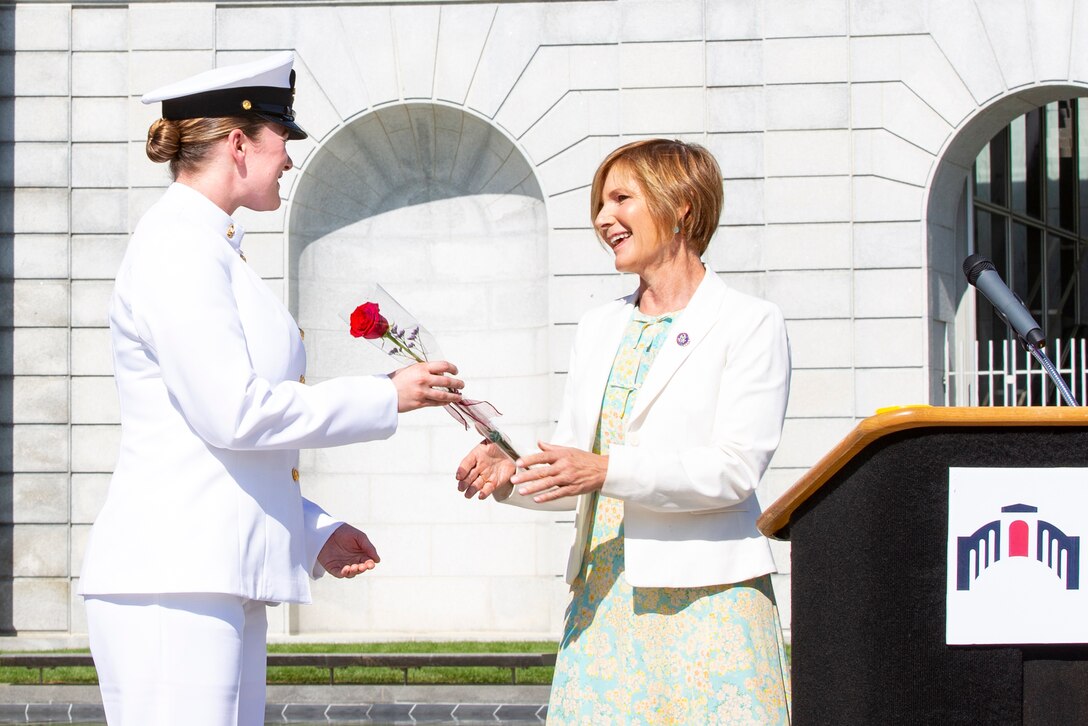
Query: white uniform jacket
x,y
704,426
208,364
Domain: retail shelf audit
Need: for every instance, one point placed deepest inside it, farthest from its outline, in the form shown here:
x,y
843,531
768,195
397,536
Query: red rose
x,y
367,322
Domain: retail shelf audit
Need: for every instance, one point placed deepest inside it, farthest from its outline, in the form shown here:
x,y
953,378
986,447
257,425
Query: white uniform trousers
x,y
179,659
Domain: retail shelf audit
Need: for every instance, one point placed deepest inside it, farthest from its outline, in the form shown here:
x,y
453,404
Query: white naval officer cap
x,y
264,88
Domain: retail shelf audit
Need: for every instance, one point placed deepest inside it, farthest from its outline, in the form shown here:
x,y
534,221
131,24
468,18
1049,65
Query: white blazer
x,y
705,424
208,364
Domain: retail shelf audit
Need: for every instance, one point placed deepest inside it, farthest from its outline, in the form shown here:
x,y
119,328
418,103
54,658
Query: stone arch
x,y
395,157
946,224
443,210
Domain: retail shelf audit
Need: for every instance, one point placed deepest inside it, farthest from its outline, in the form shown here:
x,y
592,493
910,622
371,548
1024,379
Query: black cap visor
x,y
267,102
294,131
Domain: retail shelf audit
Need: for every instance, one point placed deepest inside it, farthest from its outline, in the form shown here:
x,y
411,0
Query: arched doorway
x,y
950,229
443,211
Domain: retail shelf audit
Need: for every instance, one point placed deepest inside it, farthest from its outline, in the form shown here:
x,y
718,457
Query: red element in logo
x,y
1018,538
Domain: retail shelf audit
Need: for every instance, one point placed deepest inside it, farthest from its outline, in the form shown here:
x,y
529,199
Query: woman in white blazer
x,y
673,407
204,523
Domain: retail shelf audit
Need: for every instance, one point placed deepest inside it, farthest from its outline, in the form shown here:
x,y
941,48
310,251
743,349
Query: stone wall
x,y
844,129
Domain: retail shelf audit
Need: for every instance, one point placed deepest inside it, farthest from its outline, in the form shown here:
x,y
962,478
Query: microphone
x,y
983,275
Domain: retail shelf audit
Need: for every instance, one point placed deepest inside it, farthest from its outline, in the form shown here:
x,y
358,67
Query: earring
x,y
676,229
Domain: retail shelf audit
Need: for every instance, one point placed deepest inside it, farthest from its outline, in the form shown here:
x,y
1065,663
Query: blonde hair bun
x,y
163,141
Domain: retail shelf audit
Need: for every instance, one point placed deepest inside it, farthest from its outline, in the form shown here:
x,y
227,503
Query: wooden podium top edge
x,y
882,424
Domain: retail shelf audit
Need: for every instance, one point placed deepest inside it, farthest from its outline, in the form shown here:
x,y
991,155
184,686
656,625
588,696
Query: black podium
x,y
868,526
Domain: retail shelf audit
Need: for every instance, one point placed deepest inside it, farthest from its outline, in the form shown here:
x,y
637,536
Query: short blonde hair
x,y
673,175
186,143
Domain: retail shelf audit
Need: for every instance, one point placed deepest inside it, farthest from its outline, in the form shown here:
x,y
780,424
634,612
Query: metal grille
x,y
1002,373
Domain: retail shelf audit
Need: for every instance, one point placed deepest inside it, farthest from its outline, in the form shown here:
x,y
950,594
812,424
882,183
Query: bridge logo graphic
x,y
1019,532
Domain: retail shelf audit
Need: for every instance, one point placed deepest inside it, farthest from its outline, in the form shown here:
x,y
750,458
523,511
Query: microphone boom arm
x,y
1059,382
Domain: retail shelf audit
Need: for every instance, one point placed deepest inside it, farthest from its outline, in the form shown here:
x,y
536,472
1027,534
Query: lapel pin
x,y
682,339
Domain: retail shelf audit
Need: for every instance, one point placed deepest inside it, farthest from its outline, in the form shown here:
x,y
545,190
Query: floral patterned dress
x,y
704,655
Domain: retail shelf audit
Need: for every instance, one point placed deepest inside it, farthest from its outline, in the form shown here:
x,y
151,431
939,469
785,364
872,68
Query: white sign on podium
x,y
1014,556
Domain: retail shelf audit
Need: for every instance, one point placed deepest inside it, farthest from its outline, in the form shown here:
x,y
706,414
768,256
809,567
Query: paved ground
x,y
312,705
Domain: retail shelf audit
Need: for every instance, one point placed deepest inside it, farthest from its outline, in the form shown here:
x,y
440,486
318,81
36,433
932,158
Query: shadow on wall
x,y
398,157
7,269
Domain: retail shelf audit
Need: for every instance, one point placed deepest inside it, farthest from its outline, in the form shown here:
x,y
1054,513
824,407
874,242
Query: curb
x,y
344,705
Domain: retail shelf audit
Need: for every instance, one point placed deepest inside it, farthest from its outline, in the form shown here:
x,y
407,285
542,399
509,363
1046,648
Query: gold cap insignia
x,y
246,105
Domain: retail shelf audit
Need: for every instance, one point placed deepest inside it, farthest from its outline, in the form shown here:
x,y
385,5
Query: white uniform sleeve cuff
x,y
318,526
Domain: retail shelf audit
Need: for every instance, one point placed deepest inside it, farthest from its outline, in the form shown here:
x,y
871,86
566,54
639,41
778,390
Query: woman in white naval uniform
x,y
674,404
204,523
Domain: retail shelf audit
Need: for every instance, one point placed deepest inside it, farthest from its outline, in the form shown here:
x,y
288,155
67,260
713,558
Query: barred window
x,y
1030,216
